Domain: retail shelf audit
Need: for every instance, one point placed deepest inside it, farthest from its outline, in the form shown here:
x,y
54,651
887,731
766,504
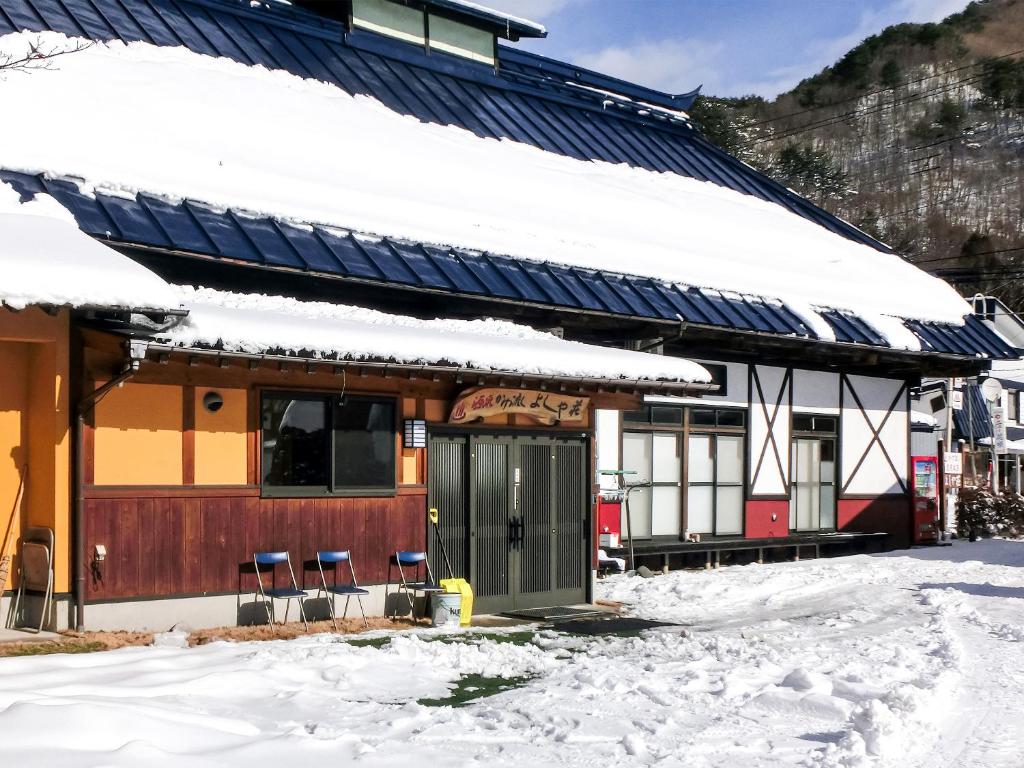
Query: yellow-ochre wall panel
x,y
35,428
221,438
138,438
13,438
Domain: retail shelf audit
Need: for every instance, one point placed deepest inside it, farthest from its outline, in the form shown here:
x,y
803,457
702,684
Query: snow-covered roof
x,y
234,136
254,324
923,419
46,260
1012,446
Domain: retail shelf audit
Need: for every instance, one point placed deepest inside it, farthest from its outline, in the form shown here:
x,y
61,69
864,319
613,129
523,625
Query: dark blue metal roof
x,y
193,228
972,420
528,99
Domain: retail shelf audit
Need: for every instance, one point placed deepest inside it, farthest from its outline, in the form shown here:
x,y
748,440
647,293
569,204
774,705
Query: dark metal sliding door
x,y
519,504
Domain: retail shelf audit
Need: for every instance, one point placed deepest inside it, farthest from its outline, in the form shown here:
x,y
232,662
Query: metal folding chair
x,y
35,572
268,595
350,590
419,562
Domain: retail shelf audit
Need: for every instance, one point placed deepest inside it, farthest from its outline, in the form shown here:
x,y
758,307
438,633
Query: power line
x,y
865,111
904,84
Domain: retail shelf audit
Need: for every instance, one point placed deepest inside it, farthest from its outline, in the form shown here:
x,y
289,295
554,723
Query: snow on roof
x,y
496,15
45,259
271,143
923,419
257,324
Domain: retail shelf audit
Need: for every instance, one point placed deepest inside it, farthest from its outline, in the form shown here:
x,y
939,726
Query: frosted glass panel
x,y
808,460
639,512
828,506
699,510
806,507
700,463
666,512
730,459
636,457
730,510
667,464
460,39
389,19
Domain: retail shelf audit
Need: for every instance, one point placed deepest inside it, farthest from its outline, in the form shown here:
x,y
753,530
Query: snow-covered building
x,y
332,178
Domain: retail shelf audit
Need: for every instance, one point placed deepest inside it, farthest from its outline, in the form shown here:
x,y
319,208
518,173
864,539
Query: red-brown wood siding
x,y
173,544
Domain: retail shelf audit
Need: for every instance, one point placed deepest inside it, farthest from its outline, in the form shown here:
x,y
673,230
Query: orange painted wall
x,y
35,426
14,358
221,439
138,437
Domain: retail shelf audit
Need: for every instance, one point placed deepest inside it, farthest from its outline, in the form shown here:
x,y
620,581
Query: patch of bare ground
x,y
87,642
76,642
295,629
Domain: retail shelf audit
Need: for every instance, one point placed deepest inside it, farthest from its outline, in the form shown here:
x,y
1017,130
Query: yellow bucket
x,y
461,586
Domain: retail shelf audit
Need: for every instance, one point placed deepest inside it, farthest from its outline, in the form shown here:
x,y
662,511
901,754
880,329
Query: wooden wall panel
x,y
185,544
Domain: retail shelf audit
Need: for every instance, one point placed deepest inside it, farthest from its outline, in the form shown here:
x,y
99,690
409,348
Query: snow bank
x,y
273,144
45,259
258,324
907,659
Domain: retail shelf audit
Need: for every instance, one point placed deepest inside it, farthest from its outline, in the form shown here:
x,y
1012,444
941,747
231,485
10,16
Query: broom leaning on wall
x,y
5,556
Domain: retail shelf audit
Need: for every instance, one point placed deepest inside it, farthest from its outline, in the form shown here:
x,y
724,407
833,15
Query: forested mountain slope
x,y
916,135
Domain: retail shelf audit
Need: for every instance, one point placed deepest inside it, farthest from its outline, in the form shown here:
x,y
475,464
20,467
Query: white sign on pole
x,y
952,463
956,399
999,429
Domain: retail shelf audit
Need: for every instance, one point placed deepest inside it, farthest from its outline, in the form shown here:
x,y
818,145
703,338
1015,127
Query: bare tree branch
x,y
39,56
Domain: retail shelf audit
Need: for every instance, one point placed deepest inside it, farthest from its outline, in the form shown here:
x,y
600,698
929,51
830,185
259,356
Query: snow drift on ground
x,y
45,259
182,125
910,660
257,324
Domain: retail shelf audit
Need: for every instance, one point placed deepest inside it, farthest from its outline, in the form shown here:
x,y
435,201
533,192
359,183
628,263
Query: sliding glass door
x,y
656,458
714,477
812,500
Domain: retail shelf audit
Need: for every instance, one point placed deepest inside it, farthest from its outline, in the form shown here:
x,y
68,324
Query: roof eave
x,y
460,373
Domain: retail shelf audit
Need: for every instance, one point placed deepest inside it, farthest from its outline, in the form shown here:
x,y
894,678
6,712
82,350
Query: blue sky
x,y
733,47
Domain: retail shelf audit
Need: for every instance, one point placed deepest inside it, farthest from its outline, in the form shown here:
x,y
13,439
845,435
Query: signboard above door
x,y
544,407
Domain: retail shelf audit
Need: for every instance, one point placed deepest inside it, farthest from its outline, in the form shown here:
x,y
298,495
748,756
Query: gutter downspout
x,y
85,406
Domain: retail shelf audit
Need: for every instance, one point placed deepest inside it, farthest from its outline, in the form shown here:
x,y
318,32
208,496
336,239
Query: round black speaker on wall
x,y
212,401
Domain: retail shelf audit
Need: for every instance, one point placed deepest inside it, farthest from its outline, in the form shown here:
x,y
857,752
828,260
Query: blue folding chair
x,y
268,595
419,562
350,590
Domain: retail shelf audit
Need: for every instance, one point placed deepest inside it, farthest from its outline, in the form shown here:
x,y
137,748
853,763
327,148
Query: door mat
x,y
612,625
557,612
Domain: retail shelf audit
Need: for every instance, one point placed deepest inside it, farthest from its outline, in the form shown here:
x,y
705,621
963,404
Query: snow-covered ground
x,y
910,659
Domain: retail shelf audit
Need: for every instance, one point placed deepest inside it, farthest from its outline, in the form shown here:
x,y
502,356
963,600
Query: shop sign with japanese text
x,y
545,407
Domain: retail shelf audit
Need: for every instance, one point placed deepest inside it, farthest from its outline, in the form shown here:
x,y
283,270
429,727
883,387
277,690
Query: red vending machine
x,y
925,498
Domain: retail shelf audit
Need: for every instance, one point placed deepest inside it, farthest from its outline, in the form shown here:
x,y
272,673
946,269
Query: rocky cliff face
x,y
916,135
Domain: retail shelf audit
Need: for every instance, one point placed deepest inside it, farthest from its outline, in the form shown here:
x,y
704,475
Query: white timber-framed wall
x,y
871,415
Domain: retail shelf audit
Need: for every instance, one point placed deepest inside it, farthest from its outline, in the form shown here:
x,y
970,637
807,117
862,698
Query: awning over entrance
x,y
251,325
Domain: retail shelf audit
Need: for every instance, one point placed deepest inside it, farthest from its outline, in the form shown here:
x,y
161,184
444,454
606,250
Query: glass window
x,y
732,418
461,39
715,466
325,444
701,417
295,443
667,415
364,443
389,19
654,458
